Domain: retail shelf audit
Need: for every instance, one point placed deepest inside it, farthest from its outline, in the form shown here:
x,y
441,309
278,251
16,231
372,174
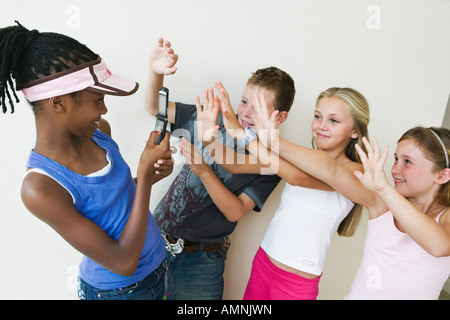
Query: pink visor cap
x,y
93,76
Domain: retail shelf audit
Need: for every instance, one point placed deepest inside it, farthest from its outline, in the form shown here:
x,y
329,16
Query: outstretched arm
x,y
261,160
313,162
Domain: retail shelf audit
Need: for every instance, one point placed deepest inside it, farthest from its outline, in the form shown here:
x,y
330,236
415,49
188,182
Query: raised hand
x,y
230,120
373,177
207,116
163,58
265,124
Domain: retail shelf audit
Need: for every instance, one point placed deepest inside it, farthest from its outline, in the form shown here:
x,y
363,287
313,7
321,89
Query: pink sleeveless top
x,y
394,266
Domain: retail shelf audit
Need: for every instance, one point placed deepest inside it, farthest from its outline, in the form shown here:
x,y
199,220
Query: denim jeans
x,y
195,276
149,288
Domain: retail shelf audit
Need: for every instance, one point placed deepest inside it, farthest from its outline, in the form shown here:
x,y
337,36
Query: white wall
x,y
400,62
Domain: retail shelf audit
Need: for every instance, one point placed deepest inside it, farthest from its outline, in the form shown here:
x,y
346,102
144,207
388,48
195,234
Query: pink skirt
x,y
268,282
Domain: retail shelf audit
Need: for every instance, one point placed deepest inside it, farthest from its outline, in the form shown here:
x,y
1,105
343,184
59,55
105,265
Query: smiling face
x,y
412,172
85,111
332,126
246,109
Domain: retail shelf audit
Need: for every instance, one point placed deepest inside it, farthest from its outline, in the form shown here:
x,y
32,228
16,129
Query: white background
x,y
396,52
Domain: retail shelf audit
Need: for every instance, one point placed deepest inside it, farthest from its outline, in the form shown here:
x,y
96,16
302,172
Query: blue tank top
x,y
106,200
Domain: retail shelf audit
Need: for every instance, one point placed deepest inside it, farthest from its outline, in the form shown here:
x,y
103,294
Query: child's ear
x,y
57,103
282,116
444,176
354,135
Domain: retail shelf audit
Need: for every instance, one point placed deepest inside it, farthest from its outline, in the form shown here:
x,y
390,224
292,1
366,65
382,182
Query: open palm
x,y
230,121
373,177
265,124
207,126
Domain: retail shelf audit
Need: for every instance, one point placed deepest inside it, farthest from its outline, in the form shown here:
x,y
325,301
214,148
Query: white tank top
x,y
300,232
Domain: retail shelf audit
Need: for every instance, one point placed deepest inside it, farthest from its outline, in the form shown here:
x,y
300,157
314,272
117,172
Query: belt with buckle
x,y
175,246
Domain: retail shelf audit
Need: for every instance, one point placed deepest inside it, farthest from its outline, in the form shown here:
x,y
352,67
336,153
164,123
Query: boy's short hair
x,y
278,82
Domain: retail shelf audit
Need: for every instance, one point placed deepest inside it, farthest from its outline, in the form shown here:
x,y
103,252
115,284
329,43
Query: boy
x,y
196,223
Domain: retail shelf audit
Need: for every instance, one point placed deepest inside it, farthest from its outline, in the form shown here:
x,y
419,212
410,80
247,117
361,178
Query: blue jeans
x,y
195,276
149,288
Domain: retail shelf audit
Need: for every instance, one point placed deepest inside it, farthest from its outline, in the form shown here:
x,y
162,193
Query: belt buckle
x,y
174,248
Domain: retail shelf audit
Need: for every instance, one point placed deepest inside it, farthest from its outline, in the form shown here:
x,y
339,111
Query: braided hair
x,y
30,55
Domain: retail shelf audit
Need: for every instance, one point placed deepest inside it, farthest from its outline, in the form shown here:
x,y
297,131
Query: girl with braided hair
x,y
77,182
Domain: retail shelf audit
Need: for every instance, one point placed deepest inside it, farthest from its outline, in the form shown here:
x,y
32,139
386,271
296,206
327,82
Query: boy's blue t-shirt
x,y
187,211
107,201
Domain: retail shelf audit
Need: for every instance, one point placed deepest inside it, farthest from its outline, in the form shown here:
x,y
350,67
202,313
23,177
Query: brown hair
x,y
431,147
278,82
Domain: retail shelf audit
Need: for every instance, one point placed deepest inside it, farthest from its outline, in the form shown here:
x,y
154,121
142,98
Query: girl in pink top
x,y
407,249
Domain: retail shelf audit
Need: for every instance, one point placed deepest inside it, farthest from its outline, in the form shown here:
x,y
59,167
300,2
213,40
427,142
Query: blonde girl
x,y
291,259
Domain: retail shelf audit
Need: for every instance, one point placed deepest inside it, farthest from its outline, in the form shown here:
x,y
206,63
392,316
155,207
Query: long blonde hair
x,y
358,108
